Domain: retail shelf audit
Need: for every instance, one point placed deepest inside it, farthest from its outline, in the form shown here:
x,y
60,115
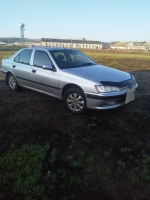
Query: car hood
x,y
99,73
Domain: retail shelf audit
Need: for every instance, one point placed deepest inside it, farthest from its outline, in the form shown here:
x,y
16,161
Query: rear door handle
x,y
33,70
14,66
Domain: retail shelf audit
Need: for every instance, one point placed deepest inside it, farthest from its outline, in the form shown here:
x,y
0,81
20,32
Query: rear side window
x,y
41,58
24,57
17,58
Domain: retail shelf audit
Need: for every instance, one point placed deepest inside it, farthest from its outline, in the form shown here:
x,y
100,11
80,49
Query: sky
x,y
99,20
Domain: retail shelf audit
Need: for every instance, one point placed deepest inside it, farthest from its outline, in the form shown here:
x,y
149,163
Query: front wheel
x,y
13,82
75,100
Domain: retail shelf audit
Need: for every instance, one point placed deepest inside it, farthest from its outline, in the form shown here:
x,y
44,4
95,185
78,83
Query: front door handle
x,y
33,70
14,66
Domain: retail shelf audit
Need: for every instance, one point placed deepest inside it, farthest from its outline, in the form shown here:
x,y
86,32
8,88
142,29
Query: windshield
x,y
68,58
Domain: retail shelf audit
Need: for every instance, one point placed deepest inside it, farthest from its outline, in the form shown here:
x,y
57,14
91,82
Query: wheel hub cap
x,y
75,102
12,82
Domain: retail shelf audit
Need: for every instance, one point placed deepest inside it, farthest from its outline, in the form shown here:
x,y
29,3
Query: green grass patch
x,y
35,172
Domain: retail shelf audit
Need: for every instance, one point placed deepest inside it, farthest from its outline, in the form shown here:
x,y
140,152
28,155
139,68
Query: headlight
x,y
103,88
133,77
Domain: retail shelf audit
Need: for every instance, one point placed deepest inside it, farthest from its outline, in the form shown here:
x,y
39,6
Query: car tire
x,y
12,82
75,100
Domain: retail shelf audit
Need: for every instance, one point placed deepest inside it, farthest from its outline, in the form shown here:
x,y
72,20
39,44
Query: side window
x,y
41,58
24,57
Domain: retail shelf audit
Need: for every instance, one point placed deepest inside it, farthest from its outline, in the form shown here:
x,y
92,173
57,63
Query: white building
x,y
131,45
84,44
2,43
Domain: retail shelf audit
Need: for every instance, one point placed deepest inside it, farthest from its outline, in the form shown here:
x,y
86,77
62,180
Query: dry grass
x,y
123,60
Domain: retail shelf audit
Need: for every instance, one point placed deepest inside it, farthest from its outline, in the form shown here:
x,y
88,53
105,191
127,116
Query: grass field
x,y
124,60
7,51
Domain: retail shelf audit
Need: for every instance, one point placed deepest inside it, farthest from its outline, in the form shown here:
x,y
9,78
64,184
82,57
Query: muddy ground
x,y
28,117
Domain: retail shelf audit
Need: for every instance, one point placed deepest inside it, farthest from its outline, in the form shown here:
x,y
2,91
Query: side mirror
x,y
49,67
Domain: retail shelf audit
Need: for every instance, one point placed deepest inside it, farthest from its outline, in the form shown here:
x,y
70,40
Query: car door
x,y
44,80
21,67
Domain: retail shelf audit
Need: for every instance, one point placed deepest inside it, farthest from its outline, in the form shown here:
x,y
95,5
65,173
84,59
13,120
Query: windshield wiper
x,y
81,65
86,64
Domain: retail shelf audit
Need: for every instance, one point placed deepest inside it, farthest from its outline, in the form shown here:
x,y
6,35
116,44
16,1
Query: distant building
x,y
79,44
106,45
9,39
146,46
131,45
138,45
121,45
2,43
70,43
16,41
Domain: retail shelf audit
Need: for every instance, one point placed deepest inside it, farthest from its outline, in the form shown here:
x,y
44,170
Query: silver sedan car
x,y
69,75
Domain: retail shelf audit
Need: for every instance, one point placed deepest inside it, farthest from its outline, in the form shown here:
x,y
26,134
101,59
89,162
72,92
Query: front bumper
x,y
109,100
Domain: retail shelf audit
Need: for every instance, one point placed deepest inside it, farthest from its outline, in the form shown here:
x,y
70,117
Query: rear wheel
x,y
13,82
75,100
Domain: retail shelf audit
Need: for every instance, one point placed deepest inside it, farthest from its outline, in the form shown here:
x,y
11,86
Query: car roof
x,y
47,48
